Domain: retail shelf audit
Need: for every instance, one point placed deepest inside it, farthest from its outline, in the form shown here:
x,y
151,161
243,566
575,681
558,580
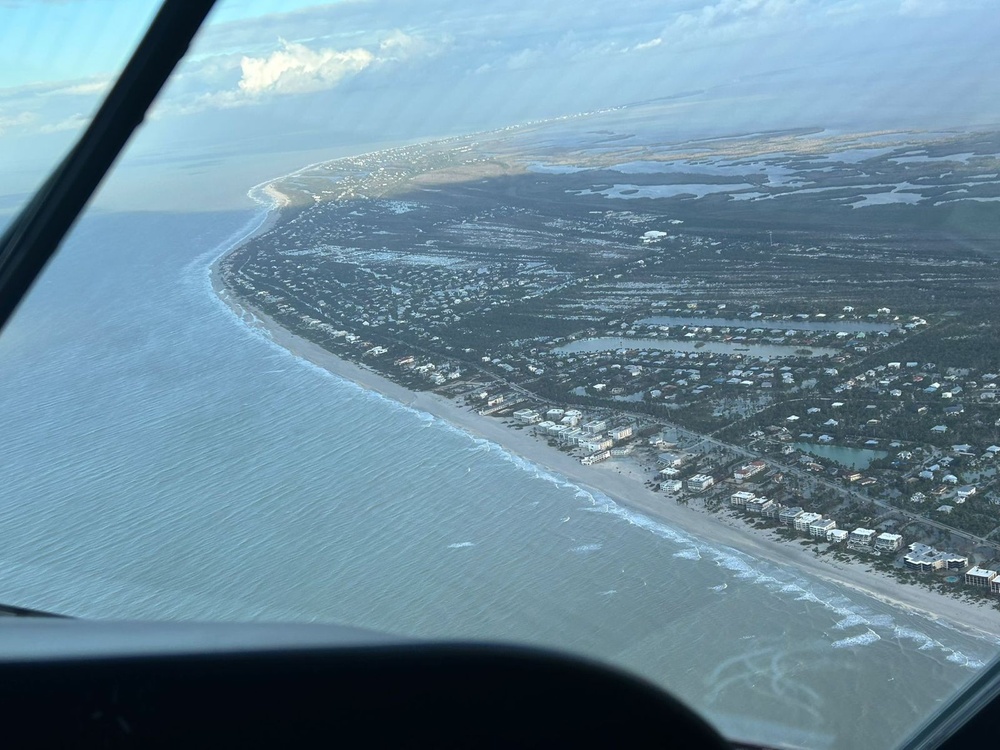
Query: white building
x,y
925,558
822,527
788,515
965,492
741,498
597,444
621,433
861,538
527,416
802,522
671,459
888,542
837,536
595,458
748,470
977,576
700,482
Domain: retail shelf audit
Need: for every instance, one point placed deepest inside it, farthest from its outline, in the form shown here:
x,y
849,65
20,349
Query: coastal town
x,y
833,389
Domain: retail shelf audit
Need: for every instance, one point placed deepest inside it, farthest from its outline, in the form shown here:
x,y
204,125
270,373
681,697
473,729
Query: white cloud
x,y
73,122
9,122
924,7
731,12
648,45
225,81
297,69
87,88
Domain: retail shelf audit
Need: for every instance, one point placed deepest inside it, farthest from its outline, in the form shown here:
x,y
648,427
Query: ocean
x,y
163,460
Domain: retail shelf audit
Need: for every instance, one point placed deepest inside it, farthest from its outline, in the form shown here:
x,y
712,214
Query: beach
x,y
620,481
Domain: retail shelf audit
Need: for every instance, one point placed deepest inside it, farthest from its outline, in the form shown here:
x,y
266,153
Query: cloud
x,y
736,12
9,122
297,69
226,81
923,7
87,88
648,45
75,121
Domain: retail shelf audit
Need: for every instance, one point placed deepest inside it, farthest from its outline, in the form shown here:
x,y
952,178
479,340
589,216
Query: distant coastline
x,y
619,480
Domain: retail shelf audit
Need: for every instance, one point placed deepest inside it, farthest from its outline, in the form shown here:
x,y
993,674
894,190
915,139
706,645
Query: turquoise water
x,y
162,460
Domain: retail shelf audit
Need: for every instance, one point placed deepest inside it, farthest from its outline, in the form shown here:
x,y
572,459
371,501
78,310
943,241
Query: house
x,y
965,492
861,538
802,522
621,433
820,528
976,576
597,444
940,429
748,470
772,511
595,458
918,497
759,504
788,515
853,476
527,416
673,460
837,536
887,542
700,482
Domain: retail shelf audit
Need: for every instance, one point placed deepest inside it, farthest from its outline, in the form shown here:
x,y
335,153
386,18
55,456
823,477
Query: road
x,y
845,491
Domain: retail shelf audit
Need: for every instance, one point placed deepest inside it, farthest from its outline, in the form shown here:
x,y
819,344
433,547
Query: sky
x,y
267,83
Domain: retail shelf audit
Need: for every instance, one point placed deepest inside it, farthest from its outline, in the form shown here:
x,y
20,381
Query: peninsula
x,y
783,342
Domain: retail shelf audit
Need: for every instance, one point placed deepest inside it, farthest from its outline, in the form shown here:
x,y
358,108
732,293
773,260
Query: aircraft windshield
x,y
662,333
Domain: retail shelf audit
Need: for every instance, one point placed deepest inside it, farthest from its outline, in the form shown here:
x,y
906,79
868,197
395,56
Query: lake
x,y
852,326
852,458
755,351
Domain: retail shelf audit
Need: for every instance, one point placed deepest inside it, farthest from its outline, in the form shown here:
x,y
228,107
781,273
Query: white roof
x,y
977,571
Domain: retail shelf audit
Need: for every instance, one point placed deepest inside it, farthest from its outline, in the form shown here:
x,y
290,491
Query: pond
x,y
851,458
753,351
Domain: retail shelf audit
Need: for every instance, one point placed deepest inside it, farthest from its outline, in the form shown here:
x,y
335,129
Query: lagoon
x,y
852,458
753,351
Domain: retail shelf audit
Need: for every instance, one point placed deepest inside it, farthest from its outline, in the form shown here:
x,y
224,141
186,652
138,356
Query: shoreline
x,y
618,481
